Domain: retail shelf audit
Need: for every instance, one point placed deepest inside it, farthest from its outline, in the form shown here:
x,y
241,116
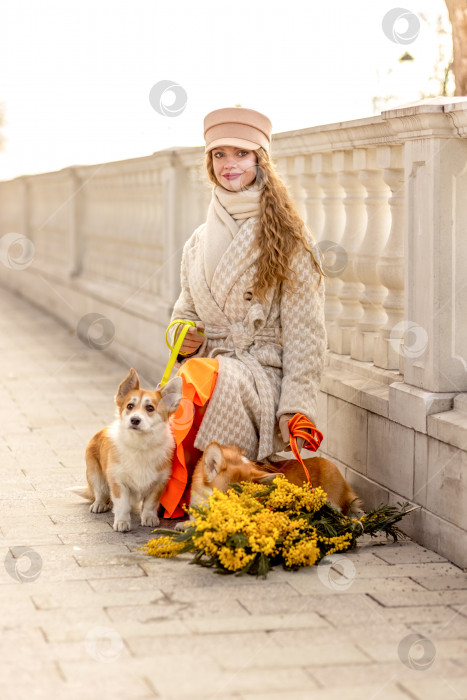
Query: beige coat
x,y
271,354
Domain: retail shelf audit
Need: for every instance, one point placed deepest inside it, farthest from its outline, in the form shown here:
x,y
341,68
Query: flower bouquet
x,y
253,527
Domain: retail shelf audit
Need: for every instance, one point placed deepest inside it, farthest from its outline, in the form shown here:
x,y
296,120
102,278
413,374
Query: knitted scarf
x,y
227,212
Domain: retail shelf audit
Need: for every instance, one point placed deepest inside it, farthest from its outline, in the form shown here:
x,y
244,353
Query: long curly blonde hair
x,y
281,229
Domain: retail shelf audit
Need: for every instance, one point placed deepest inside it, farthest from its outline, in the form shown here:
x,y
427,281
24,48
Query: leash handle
x,y
300,426
175,348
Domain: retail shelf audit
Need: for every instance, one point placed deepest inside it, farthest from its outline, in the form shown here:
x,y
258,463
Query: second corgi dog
x,y
221,466
132,458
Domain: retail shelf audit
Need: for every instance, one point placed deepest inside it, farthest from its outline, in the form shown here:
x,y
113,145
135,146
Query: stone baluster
x,y
75,212
376,234
390,266
25,206
194,190
201,195
314,211
334,222
170,223
355,226
293,169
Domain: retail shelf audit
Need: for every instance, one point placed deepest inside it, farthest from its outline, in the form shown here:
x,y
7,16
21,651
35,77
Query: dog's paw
x,y
150,520
122,525
180,527
98,507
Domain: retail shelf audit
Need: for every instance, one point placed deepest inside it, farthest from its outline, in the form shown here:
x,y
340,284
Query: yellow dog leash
x,y
182,329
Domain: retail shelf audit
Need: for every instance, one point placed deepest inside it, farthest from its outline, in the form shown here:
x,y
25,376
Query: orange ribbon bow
x,y
301,427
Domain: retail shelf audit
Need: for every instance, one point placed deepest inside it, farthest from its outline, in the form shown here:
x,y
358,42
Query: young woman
x,y
252,285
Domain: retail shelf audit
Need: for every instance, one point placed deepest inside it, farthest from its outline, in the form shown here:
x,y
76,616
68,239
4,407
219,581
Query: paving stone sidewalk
x,y
84,613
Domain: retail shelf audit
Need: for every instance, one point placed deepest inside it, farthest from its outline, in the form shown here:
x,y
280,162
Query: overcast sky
x,y
75,76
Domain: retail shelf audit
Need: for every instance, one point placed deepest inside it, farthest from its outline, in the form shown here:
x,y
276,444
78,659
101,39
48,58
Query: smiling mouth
x,y
232,176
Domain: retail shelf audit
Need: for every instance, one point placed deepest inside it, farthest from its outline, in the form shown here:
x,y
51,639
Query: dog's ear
x,y
171,395
264,478
130,383
213,461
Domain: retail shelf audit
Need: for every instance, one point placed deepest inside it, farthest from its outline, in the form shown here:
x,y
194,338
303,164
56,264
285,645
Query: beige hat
x,y
237,126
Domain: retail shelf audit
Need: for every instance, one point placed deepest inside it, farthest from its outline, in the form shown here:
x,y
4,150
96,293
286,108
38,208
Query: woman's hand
x,y
193,340
284,428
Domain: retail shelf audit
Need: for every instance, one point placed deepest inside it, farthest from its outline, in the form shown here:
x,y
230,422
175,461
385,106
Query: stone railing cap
x,y
433,104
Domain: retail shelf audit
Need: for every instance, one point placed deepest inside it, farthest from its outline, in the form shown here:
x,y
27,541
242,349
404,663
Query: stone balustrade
x,y
386,199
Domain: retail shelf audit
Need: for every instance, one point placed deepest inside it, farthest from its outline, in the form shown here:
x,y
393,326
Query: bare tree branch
x,y
458,15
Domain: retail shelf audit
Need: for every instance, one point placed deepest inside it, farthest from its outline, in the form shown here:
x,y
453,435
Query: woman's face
x,y
234,168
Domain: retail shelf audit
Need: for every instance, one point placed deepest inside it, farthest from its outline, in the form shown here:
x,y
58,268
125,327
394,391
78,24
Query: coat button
x,y
248,295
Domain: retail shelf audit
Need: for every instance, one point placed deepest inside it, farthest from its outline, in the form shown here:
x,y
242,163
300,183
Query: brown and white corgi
x,y
221,466
131,460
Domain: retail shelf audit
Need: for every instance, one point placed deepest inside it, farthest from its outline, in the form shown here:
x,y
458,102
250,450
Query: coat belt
x,y
243,336
240,336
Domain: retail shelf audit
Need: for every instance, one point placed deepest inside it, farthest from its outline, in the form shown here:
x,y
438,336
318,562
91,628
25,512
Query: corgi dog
x,y
131,460
221,466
